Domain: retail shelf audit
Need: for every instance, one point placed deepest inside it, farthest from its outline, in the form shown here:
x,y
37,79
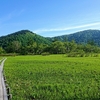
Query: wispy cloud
x,y
67,28
20,12
11,15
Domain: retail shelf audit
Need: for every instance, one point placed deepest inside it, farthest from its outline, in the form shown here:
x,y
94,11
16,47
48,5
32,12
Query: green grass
x,y
54,77
0,58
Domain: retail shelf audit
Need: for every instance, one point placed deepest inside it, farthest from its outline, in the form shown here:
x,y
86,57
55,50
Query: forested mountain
x,y
24,37
27,42
81,37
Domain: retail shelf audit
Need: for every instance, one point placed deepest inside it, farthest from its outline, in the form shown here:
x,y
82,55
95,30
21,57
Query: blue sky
x,y
49,17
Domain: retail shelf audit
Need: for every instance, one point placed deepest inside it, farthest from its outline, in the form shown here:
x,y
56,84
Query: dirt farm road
x,y
3,93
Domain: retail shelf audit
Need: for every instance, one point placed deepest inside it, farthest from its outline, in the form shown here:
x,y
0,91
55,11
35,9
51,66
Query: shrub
x,y
45,53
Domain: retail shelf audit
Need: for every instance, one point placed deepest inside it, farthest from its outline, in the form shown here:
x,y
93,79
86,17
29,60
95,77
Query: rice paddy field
x,y
53,77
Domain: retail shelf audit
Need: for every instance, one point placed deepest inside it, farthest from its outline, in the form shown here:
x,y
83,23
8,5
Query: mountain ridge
x,y
23,36
81,37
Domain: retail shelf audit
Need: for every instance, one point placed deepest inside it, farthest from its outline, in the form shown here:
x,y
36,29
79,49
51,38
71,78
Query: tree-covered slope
x,y
81,37
23,37
27,42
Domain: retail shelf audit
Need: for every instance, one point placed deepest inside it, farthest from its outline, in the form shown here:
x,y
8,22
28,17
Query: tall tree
x,y
70,46
58,47
2,50
13,47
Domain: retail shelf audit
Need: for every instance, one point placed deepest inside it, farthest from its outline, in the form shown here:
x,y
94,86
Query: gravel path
x,y
3,94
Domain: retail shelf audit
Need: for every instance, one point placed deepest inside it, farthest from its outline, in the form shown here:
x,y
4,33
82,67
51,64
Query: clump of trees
x,y
72,49
2,51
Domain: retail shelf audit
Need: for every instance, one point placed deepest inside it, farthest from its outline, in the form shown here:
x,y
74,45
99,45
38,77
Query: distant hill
x,y
23,36
81,37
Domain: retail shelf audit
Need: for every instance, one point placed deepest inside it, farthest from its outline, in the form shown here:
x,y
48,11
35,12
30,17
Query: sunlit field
x,y
53,77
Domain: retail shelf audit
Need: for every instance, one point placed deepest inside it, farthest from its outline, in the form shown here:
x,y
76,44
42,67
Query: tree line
x,y
56,47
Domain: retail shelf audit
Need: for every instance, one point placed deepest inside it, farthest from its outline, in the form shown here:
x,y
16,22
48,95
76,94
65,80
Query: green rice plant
x,y
53,77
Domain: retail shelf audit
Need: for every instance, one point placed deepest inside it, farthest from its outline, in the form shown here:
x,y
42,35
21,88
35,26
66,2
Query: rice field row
x,y
53,77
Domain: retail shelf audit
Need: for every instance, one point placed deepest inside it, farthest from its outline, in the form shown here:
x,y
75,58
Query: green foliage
x,y
82,37
2,50
13,47
75,54
53,77
25,42
57,47
24,37
45,53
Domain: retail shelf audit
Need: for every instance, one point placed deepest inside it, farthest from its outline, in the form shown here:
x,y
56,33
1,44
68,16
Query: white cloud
x,y
11,15
68,28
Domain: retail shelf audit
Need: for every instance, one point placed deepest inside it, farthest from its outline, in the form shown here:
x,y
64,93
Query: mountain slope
x,y
81,37
26,36
23,36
